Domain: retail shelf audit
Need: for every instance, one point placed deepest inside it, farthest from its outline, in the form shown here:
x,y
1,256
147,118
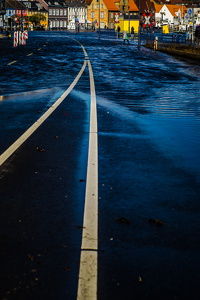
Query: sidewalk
x,y
184,51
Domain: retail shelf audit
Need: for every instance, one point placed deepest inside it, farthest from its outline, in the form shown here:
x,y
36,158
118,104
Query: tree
x,y
36,18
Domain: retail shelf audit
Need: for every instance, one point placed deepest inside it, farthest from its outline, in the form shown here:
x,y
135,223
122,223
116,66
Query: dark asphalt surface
x,y
148,123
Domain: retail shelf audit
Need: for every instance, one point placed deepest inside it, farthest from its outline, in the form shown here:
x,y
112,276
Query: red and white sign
x,y
147,20
26,34
116,17
20,37
15,40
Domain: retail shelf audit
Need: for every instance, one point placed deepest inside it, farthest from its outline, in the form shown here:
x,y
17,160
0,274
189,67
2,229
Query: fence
x,y
177,38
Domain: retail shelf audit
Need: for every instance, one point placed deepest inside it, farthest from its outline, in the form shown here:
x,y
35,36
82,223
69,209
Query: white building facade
x,y
77,16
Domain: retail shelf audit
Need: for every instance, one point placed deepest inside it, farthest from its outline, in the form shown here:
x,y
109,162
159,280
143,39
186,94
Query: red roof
x,y
110,4
133,6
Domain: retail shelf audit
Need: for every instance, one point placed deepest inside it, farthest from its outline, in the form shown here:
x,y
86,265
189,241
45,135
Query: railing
x,y
176,37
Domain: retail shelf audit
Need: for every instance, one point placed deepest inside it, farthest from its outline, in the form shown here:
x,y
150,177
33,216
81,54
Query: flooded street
x,y
148,112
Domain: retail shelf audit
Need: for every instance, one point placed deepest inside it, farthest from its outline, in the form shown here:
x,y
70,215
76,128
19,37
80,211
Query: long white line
x,y
4,156
87,284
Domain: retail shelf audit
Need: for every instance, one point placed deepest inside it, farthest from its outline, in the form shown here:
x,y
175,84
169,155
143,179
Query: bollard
x,y
155,45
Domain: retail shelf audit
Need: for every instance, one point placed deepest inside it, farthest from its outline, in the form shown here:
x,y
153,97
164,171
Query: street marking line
x,y
29,54
87,283
12,62
39,48
5,155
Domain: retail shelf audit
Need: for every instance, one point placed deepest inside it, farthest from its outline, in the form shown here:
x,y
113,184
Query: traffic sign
x,y
189,11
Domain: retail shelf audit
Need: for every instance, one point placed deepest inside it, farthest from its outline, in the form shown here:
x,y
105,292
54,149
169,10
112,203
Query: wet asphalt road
x,y
148,124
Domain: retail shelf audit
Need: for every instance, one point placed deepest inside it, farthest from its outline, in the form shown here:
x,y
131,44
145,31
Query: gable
x,y
173,9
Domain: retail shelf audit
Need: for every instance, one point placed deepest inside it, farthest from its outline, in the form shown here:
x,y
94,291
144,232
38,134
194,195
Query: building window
x,y
53,12
92,14
111,15
102,14
65,12
57,12
61,12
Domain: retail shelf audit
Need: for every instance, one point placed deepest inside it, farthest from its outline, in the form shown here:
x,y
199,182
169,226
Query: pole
x,y
85,19
139,37
99,21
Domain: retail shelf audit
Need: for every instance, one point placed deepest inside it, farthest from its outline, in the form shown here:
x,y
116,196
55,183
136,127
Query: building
x,y
129,16
171,15
37,15
15,16
77,15
113,13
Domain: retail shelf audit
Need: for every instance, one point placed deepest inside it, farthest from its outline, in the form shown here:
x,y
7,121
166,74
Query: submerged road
x,y
108,211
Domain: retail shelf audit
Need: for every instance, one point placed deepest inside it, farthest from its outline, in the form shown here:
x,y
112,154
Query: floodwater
x,y
160,91
148,106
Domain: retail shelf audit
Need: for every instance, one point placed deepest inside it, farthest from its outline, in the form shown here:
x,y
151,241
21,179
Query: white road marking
x,y
87,284
12,62
4,156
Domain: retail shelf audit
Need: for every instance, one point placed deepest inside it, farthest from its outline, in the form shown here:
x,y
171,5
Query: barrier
x,y
15,40
20,38
25,34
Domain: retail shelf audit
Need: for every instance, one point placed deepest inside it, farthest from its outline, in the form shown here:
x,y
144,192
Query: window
x,y
61,12
65,12
111,15
92,14
53,12
57,12
102,14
